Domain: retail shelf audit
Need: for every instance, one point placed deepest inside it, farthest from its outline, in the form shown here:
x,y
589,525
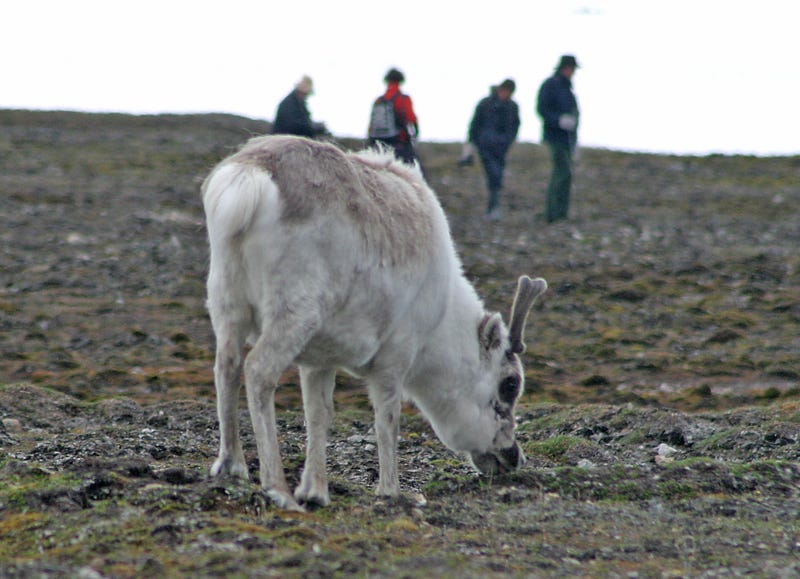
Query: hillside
x,y
672,319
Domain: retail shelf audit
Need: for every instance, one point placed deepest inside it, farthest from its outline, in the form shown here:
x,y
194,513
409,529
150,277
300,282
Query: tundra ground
x,y
661,417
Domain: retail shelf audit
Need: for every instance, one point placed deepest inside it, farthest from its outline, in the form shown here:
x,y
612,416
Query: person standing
x,y
493,129
393,121
558,107
293,117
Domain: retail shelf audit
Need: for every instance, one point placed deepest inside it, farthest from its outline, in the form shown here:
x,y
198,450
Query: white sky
x,y
683,76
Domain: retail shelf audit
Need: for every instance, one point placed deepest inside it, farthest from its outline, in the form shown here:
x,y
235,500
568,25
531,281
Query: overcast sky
x,y
683,76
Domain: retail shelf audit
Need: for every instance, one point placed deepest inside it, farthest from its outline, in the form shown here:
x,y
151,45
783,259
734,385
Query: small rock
x,y
12,425
724,336
89,573
160,419
153,568
665,454
665,450
178,476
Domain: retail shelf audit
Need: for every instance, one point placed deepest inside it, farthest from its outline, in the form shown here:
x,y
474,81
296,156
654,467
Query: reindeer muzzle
x,y
500,461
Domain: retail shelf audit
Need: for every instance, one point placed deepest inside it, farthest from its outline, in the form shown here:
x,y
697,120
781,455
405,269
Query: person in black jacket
x,y
493,129
558,107
293,117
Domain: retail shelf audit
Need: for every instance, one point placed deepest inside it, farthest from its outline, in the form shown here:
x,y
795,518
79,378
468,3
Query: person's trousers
x,y
494,165
403,150
557,205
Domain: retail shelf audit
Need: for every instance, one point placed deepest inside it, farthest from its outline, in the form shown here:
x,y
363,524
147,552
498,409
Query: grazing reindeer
x,y
328,260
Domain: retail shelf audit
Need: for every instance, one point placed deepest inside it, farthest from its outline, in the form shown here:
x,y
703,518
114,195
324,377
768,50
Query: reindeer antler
x,y
527,291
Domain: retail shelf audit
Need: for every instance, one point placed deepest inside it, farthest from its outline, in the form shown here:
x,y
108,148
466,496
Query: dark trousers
x,y
558,190
403,150
494,165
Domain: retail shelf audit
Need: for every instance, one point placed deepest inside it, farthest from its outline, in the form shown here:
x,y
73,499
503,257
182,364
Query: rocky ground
x,y
661,416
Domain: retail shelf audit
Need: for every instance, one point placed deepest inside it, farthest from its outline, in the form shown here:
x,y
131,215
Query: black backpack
x,y
384,123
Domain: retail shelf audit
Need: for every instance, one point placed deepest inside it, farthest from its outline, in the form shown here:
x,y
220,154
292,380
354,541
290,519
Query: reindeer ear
x,y
490,331
527,291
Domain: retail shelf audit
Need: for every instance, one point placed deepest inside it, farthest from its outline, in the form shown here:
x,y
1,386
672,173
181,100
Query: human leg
x,y
493,165
558,191
404,151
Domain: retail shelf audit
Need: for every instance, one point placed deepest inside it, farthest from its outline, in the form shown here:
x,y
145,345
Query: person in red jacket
x,y
393,122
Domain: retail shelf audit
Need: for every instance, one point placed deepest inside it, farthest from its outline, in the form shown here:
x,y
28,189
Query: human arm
x,y
476,123
513,124
405,111
547,103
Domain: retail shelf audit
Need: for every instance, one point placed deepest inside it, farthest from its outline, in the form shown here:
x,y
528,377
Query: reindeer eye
x,y
509,389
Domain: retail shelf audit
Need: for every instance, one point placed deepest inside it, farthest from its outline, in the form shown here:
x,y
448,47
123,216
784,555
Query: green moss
x,y
443,482
719,439
554,448
676,490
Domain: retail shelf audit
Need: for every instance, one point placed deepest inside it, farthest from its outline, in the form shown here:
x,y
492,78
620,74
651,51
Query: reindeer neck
x,y
446,368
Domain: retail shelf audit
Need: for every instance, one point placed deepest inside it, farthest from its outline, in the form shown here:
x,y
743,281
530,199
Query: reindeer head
x,y
498,450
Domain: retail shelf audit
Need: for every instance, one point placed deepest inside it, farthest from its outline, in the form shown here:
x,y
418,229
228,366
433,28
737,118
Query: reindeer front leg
x,y
386,400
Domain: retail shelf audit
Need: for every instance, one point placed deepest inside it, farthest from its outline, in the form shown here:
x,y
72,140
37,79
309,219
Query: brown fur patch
x,y
392,204
308,173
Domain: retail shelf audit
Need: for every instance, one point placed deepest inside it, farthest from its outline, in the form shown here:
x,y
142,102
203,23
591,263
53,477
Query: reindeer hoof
x,y
284,501
228,466
312,500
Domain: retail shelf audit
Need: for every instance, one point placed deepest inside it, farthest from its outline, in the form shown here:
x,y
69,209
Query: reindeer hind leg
x,y
318,386
231,324
281,341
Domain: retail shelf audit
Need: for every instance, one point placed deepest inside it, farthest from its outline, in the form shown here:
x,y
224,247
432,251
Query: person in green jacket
x,y
558,107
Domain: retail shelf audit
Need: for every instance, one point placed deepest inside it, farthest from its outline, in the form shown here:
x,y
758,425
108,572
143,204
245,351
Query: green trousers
x,y
560,183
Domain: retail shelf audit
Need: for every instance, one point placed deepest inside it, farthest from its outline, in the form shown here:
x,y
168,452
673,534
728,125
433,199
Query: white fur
x,y
330,260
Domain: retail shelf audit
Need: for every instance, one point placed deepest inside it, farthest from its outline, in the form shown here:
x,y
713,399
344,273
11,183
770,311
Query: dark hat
x,y
394,75
567,60
508,84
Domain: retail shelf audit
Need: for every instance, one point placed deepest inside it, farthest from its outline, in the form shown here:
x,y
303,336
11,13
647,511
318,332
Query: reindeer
x,y
331,260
